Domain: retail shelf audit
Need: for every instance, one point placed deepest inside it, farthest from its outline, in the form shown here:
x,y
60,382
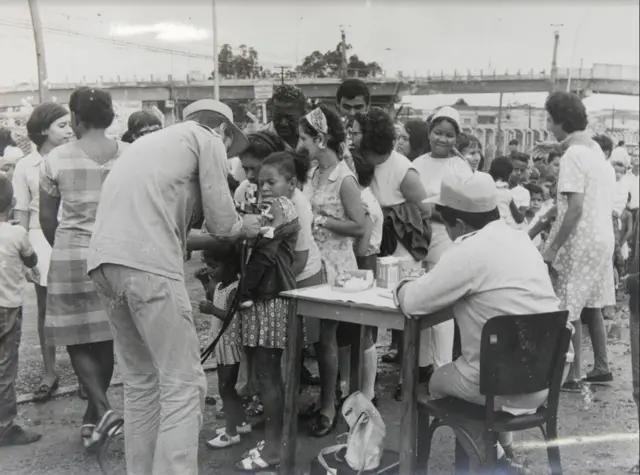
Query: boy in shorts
x,y
15,253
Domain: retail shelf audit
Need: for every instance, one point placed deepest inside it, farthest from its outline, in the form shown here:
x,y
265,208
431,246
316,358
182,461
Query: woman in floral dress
x,y
339,218
580,247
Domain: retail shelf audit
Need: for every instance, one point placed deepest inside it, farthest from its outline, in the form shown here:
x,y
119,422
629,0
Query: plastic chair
x,y
518,355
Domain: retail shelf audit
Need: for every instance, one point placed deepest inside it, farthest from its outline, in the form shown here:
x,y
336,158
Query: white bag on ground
x,y
366,435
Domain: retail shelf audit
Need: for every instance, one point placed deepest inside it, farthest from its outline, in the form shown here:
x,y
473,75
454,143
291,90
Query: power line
x,y
122,43
112,41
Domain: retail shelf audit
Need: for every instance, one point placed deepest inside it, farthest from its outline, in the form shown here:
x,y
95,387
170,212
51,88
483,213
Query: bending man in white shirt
x,y
504,274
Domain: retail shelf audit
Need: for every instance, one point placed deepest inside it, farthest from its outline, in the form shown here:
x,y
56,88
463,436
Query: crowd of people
x,y
316,193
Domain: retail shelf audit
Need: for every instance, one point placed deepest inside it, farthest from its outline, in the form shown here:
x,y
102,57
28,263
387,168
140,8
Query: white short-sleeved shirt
x,y
14,246
305,240
505,198
387,179
633,182
621,195
26,187
372,207
433,170
521,196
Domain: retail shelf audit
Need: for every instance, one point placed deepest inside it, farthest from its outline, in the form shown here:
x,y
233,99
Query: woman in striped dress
x,y
70,183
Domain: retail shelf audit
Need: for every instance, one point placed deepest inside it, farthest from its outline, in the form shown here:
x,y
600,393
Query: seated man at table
x,y
504,274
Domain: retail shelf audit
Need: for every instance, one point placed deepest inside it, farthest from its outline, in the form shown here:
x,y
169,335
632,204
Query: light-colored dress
x,y
229,348
584,262
74,312
336,250
26,189
265,323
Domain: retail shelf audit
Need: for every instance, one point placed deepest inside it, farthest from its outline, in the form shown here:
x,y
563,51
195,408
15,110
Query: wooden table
x,y
368,308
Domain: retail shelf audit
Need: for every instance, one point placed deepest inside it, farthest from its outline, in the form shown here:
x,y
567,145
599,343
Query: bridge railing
x,y
598,72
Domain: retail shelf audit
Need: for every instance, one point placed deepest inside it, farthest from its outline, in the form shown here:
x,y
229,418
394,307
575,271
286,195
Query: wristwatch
x,y
395,293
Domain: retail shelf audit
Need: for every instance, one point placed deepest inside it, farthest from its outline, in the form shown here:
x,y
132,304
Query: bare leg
x,y
598,334
327,354
48,351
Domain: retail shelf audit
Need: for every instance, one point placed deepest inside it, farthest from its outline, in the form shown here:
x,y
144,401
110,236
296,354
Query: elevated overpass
x,y
614,80
606,79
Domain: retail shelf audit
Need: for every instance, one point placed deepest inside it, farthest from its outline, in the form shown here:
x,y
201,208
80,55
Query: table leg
x,y
292,384
409,433
357,360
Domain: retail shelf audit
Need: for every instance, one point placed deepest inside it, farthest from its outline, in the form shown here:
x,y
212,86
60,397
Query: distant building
x,y
527,124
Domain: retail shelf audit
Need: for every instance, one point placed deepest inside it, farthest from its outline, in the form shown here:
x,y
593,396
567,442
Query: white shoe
x,y
243,429
223,441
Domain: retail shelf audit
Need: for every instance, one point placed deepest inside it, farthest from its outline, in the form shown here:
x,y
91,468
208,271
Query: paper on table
x,y
371,296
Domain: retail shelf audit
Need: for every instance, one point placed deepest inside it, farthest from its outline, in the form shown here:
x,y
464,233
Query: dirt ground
x,y
599,428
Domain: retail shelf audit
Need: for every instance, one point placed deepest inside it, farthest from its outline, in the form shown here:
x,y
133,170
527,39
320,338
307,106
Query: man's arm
x,y
441,287
220,215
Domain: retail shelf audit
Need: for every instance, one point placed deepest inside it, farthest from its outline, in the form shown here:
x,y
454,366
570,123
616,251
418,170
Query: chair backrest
x,y
522,354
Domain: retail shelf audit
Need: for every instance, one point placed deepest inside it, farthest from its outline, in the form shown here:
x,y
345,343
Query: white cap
x,y
447,112
620,155
240,141
472,193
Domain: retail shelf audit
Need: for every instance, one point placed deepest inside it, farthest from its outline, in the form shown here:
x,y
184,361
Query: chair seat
x,y
455,412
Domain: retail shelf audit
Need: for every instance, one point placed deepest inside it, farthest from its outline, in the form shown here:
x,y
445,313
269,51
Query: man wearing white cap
x,y
158,188
504,274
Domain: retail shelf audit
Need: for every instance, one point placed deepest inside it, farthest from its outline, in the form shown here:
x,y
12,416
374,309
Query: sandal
x,y
256,450
254,463
255,408
243,429
86,432
323,426
107,421
45,391
224,440
392,356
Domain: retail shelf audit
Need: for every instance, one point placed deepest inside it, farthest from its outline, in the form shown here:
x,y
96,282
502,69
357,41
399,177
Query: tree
x,y
244,65
328,64
358,68
461,102
225,60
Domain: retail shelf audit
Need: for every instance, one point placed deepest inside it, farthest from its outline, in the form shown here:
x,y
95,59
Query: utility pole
x,y
43,91
613,118
554,61
216,69
499,132
282,69
343,53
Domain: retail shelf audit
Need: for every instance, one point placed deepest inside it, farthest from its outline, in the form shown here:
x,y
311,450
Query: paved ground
x,y
600,428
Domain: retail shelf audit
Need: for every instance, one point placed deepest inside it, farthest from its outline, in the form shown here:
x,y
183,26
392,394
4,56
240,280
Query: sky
x,y
84,38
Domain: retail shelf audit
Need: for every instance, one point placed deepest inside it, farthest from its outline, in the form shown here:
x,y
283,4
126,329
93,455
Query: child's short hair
x,y
290,164
521,157
501,169
364,170
534,174
6,193
533,189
